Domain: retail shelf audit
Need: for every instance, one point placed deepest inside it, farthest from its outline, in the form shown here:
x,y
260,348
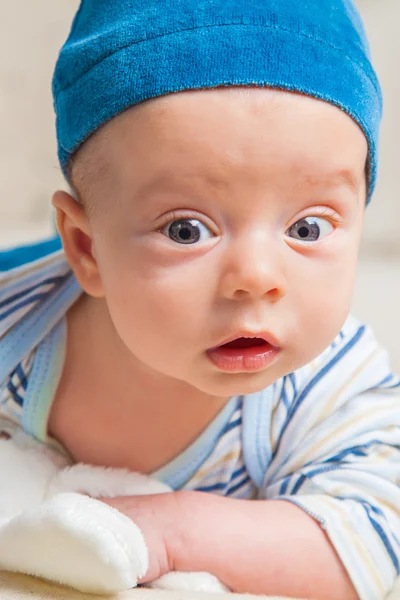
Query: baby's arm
x,y
263,547
259,547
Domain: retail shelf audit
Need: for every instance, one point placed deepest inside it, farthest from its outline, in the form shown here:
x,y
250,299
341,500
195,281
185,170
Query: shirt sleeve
x,y
335,435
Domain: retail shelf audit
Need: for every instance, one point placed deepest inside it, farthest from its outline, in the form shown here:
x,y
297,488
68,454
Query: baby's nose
x,y
254,268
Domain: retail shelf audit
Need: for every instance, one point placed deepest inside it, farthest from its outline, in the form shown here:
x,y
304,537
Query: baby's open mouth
x,y
244,354
244,342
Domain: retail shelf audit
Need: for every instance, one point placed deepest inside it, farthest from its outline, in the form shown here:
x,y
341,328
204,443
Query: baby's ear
x,y
74,229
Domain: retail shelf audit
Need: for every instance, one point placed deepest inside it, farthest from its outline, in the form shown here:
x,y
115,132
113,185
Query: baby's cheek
x,y
154,316
322,304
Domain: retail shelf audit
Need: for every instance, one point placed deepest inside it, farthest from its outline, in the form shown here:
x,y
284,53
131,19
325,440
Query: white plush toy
x,y
50,527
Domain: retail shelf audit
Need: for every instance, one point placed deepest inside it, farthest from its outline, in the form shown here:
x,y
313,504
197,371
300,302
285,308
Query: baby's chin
x,y
227,385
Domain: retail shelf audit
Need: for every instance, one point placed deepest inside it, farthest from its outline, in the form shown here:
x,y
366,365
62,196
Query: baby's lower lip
x,y
243,359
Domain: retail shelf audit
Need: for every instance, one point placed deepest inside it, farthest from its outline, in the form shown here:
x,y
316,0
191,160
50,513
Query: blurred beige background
x,y
31,34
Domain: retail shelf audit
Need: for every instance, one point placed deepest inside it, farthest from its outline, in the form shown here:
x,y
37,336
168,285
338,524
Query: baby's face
x,y
226,213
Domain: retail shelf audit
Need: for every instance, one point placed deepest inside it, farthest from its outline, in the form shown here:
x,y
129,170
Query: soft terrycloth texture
x,y
122,52
52,526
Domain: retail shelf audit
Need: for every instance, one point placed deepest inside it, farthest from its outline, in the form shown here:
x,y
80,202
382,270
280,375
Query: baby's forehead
x,y
205,124
184,114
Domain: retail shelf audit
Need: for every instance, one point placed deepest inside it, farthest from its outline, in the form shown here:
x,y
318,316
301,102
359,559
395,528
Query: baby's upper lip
x,y
265,335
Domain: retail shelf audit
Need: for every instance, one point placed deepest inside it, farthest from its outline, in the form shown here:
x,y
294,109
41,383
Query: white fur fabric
x,y
52,527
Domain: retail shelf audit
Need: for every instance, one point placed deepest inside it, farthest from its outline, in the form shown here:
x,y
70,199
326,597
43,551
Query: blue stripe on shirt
x,y
293,381
358,450
231,425
30,300
13,391
25,292
379,530
350,344
234,488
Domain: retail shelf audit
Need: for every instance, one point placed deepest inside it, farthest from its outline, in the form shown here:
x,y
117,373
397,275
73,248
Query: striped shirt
x,y
326,437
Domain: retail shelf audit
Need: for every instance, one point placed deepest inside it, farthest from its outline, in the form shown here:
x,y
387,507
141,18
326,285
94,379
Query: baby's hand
x,y
157,516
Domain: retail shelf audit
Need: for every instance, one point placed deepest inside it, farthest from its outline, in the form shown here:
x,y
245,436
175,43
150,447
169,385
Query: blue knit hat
x,y
121,52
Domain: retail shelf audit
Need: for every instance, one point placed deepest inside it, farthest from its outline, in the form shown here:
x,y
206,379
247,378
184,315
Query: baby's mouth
x,y
243,342
244,354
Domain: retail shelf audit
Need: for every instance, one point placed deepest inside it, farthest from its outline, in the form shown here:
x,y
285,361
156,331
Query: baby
x,y
196,325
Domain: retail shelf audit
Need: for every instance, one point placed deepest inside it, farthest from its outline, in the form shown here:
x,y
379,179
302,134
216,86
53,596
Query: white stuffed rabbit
x,y
50,527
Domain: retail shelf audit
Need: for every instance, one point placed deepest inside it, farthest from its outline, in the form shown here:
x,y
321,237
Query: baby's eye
x,y
187,231
310,229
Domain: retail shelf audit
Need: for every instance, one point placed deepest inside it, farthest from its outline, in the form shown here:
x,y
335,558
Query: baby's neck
x,y
109,410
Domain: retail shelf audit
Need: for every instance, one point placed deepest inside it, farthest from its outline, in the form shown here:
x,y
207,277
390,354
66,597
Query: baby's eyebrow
x,y
348,178
165,180
162,180
342,177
